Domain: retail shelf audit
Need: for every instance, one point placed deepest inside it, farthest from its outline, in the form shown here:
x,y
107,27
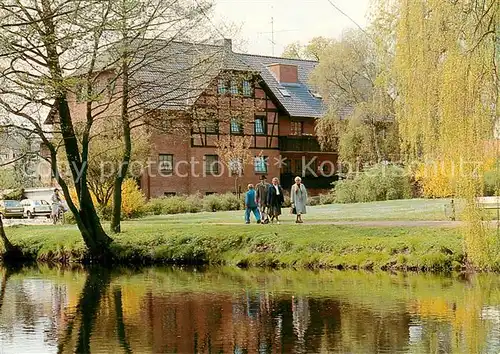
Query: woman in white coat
x,y
298,197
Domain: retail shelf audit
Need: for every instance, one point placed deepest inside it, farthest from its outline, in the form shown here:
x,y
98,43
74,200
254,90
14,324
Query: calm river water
x,y
221,310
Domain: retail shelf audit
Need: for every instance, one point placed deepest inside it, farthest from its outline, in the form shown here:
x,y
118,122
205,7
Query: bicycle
x,y
58,217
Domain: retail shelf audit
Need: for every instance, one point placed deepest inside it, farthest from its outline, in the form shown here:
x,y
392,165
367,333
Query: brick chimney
x,y
227,43
285,73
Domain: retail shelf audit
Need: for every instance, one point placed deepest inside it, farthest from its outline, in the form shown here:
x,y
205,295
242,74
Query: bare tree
x,y
41,42
54,56
234,151
147,33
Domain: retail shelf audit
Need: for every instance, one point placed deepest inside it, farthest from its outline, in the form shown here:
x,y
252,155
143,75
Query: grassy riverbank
x,y
222,238
301,246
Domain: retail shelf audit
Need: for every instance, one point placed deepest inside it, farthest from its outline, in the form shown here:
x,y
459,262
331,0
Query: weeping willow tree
x,y
446,69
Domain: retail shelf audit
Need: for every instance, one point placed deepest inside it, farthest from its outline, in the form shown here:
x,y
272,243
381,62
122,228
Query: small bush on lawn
x,y
155,206
313,201
174,205
69,218
345,191
212,203
195,203
287,203
380,182
230,201
325,199
133,200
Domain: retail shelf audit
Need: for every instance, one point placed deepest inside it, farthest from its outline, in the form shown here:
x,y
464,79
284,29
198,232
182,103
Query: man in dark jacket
x,y
275,200
262,189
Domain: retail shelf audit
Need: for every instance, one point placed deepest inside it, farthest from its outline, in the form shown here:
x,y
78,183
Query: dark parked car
x,y
11,209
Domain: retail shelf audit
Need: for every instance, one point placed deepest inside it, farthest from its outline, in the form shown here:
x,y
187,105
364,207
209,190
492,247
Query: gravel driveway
x,y
35,221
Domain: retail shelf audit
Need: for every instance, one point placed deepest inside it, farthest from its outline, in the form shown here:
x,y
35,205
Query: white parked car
x,y
34,208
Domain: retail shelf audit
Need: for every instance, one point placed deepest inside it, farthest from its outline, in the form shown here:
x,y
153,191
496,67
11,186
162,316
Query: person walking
x,y
251,205
298,197
262,189
275,200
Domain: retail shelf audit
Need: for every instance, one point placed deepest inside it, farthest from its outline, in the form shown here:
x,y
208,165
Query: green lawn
x,y
204,238
411,209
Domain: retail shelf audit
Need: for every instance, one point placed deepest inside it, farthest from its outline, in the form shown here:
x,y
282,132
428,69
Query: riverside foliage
x,y
446,74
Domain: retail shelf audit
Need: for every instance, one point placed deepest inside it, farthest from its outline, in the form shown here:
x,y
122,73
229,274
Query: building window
x,y
316,94
260,126
236,126
212,126
169,194
297,128
247,88
222,87
260,164
284,92
234,87
212,164
166,163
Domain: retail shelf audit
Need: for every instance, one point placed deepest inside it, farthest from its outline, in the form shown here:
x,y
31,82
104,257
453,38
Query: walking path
x,y
362,223
35,221
377,223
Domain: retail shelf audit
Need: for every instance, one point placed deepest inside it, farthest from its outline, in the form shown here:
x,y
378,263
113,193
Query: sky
x,y
293,20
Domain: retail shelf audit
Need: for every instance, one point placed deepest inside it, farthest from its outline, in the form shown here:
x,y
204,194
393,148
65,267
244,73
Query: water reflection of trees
x,y
171,311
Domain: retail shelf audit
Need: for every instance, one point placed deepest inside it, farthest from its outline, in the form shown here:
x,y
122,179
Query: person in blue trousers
x,y
251,205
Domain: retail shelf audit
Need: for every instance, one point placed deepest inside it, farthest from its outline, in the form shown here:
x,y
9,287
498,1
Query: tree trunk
x,y
89,224
95,287
6,245
127,149
8,251
5,278
97,282
376,145
120,325
86,217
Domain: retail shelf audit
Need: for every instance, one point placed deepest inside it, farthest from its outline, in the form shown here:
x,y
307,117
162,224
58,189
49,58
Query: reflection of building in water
x,y
301,316
492,314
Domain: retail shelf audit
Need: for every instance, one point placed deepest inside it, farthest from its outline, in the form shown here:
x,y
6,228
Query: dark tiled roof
x,y
301,102
173,74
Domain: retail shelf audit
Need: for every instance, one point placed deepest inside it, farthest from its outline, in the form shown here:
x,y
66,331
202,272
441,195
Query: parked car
x,y
34,208
11,209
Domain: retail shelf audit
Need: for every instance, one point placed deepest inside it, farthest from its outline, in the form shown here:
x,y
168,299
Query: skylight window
x,y
284,92
316,94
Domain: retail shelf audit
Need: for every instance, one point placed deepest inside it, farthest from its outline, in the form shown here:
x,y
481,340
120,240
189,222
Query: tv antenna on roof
x,y
272,35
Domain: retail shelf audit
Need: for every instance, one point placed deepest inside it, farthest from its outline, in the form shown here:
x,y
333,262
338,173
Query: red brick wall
x,y
192,178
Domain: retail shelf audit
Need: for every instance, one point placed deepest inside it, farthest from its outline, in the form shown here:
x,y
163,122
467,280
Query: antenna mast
x,y
272,34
